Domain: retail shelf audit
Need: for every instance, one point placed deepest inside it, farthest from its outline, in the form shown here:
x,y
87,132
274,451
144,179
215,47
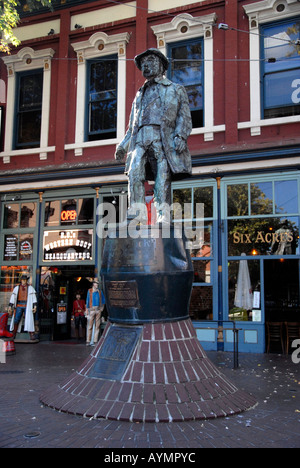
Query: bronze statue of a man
x,y
156,140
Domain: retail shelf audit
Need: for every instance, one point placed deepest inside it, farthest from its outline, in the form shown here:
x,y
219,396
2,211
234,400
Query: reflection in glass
x,y
261,198
86,211
52,213
103,99
183,197
28,215
263,236
237,200
204,195
11,216
286,196
187,70
199,241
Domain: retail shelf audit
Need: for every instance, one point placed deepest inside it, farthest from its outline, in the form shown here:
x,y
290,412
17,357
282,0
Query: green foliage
x,y
9,19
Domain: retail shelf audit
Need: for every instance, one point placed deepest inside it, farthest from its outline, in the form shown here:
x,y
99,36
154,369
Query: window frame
x,y
33,144
88,132
264,74
171,47
27,60
99,46
182,28
260,13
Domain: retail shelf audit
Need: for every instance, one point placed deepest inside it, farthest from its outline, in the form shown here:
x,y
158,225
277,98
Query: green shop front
x,y
247,261
244,243
51,236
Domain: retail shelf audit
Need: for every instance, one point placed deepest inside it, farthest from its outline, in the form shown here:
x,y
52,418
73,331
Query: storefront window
x,y
261,198
10,277
194,213
286,196
69,212
238,200
201,307
263,232
18,247
263,236
19,215
244,290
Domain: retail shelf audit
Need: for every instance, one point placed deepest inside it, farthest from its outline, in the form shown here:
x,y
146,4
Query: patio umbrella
x,y
243,294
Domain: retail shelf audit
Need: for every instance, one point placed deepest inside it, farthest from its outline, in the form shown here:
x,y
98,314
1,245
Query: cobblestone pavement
x,y
274,380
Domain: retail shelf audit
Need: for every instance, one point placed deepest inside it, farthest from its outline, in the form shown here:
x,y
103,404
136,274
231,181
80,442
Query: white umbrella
x,y
243,294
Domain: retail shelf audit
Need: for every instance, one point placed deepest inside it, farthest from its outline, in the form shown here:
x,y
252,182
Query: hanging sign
x,y
68,245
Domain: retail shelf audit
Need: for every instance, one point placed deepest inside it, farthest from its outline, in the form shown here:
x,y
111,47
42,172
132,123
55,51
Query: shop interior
x,y
58,289
282,304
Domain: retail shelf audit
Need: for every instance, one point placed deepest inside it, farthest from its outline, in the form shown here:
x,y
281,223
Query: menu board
x,y
11,248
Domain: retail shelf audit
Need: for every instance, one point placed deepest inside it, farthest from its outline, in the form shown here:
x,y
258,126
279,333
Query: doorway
x,y
58,289
282,303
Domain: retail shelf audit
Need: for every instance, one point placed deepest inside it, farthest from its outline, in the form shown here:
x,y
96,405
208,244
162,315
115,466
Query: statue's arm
x,y
184,125
123,146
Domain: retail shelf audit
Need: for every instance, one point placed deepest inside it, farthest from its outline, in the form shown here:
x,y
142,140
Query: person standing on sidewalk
x,y
94,307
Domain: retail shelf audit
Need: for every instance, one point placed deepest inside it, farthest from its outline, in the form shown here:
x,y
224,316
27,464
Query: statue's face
x,y
151,66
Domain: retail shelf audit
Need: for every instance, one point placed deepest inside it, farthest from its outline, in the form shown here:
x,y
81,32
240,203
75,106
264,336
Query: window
x,y
263,218
194,213
29,110
189,40
101,110
187,69
28,103
69,212
102,99
281,69
19,215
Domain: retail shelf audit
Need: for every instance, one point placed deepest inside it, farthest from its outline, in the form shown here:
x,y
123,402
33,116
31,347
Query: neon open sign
x,y
68,215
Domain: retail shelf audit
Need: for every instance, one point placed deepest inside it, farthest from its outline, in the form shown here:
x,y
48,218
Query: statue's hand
x,y
120,153
179,144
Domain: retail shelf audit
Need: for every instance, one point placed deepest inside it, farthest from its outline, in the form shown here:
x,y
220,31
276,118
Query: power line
x,y
197,20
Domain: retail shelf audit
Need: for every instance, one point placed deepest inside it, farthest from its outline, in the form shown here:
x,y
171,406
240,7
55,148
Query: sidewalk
x,y
25,423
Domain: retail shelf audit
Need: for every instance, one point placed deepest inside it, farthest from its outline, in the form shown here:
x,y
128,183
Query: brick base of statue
x,y
162,374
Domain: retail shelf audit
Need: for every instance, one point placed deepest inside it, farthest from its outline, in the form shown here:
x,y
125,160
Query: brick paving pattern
x,y
24,422
169,378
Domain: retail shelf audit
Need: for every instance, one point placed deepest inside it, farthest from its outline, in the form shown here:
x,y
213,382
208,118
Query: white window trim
x,y
27,60
99,45
261,13
184,27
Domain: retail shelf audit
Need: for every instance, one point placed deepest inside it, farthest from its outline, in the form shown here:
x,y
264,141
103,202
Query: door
x,y
58,290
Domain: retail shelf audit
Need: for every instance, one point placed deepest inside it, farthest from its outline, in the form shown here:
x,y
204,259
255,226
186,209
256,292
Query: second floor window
x,y
29,110
281,69
102,99
187,70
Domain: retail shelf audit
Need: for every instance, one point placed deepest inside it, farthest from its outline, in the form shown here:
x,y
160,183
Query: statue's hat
x,y
156,52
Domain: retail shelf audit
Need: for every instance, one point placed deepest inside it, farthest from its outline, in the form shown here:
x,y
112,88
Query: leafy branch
x,y
9,19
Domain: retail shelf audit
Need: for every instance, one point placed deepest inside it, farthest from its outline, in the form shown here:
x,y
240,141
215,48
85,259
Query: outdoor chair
x,y
275,334
292,333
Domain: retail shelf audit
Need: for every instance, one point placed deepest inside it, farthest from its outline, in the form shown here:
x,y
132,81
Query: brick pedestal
x,y
167,378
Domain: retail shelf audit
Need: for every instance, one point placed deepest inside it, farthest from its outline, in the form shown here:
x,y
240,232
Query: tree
x,y
9,19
